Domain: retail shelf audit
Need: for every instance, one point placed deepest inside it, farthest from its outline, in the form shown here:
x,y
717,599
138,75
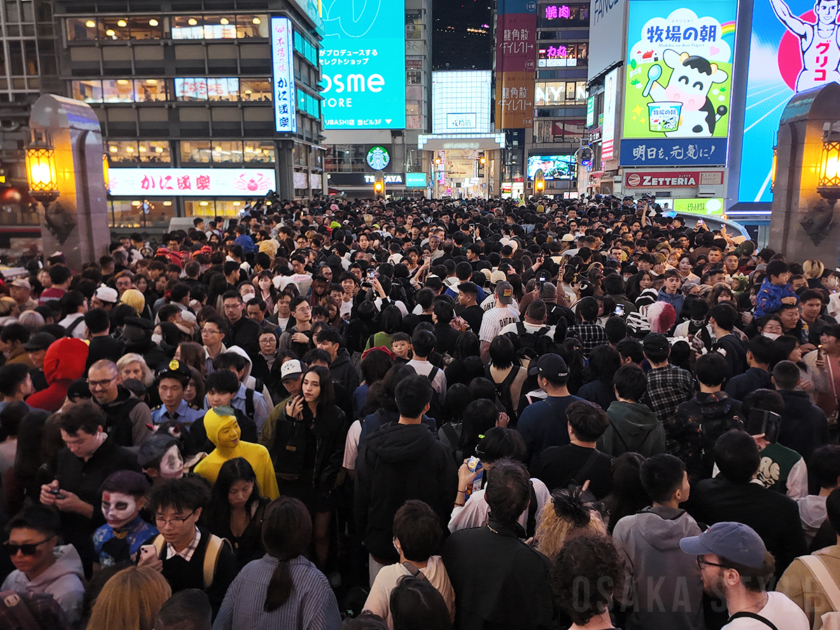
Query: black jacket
x,y
500,583
754,378
119,426
245,333
735,353
446,337
398,462
104,348
774,516
343,371
804,425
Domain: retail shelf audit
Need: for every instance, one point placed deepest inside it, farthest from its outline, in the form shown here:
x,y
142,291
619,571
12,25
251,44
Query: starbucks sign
x,y
378,158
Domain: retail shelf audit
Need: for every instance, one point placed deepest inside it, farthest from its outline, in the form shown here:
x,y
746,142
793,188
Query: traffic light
x,y
379,183
482,160
437,161
539,182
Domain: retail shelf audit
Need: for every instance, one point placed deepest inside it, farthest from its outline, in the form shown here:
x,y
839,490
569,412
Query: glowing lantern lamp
x,y
41,171
828,186
773,168
105,176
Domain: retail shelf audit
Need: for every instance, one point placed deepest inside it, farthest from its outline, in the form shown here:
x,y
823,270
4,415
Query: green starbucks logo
x,y
378,158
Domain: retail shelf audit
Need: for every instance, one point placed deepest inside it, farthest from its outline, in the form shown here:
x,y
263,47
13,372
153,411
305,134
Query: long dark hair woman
x,y
308,450
282,589
236,510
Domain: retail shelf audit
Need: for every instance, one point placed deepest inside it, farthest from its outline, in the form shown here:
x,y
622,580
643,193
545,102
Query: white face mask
x,y
118,509
770,335
157,339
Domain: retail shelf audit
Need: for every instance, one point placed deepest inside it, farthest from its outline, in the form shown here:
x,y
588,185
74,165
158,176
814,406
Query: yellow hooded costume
x,y
224,432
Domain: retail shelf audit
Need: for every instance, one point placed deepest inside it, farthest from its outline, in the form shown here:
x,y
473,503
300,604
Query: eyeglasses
x,y
701,561
27,549
175,520
104,383
209,331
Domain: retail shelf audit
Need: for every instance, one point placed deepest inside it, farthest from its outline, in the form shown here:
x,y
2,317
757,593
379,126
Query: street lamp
x,y
539,181
379,183
828,186
41,171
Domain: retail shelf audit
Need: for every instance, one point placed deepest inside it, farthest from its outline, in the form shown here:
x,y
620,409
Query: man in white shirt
x,y
534,322
423,344
735,564
497,318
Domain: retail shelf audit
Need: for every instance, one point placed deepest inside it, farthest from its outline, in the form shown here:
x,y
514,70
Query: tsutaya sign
x,y
390,178
673,179
191,182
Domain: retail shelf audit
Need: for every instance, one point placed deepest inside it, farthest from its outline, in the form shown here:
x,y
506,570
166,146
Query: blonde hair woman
x,y
813,269
134,366
130,600
565,517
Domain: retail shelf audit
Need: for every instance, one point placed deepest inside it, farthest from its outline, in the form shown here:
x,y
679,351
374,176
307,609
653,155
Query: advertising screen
x,y
283,73
461,101
677,82
553,166
415,180
608,129
363,64
789,54
590,111
708,207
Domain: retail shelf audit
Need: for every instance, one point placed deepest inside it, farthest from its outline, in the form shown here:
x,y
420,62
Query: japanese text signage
x,y
708,207
608,129
516,45
363,64
283,75
792,49
590,111
191,182
673,179
678,81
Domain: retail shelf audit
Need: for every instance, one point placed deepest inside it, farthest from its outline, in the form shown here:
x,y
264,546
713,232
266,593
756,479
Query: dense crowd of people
x,y
422,414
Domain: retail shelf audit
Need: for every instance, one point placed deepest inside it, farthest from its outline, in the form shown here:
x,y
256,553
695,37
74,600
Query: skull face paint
x,y
172,463
119,509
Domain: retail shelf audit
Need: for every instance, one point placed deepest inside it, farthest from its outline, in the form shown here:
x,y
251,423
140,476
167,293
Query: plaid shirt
x,y
589,334
188,551
667,387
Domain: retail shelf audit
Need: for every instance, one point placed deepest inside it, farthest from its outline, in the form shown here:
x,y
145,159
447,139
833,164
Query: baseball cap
x,y
497,276
733,541
154,447
656,342
106,294
22,283
291,369
504,293
39,341
550,364
78,389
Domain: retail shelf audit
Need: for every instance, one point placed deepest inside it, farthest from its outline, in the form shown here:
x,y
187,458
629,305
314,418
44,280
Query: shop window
x,y
113,28
251,26
149,90
191,89
154,151
88,91
187,27
300,155
120,151
146,27
118,91
135,213
219,27
252,90
259,152
223,89
81,29
195,152
227,152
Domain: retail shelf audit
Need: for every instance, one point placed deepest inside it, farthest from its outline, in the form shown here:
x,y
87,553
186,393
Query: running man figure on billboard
x,y
818,43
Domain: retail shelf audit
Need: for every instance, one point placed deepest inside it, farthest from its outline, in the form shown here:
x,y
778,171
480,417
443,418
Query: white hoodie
x,y
248,380
63,580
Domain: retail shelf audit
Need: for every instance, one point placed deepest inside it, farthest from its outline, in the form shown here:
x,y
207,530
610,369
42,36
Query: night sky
x,y
452,43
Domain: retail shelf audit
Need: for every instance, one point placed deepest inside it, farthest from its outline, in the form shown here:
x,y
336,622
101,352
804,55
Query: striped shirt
x,y
311,605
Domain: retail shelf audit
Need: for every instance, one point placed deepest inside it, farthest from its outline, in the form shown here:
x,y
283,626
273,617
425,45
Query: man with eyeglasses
x,y
213,333
128,417
42,566
89,457
297,339
187,555
736,566
243,331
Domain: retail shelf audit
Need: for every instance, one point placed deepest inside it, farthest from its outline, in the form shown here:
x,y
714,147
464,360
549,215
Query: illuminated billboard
x,y
608,129
678,82
191,182
553,166
283,74
363,64
783,33
461,101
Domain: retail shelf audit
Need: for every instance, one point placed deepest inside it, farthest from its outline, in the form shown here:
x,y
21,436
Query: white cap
x,y
106,294
291,369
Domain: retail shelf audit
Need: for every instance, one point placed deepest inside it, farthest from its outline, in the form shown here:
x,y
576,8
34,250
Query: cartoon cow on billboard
x,y
686,94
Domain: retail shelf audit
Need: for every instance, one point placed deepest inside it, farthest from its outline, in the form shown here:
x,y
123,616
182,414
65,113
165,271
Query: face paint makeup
x,y
172,464
119,509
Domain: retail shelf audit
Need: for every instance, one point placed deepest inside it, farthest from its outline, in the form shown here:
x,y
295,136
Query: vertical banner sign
x,y
792,49
283,75
363,64
606,27
608,129
678,82
516,43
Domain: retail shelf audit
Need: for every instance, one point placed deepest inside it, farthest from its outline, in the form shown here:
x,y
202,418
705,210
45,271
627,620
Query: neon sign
x,y
555,12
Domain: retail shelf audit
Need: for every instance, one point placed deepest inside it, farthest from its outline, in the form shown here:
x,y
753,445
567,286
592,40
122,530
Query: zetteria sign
x,y
673,179
191,182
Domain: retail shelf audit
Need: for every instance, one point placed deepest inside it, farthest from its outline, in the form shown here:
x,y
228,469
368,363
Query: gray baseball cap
x,y
734,541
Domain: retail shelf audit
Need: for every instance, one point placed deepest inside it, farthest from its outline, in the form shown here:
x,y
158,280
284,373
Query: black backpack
x,y
528,339
249,397
503,390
